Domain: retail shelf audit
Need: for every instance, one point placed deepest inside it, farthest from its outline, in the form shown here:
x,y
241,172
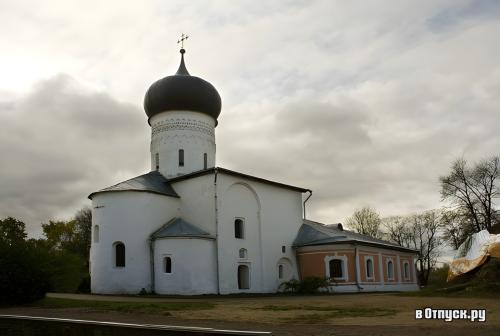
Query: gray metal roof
x,y
153,182
237,174
313,233
177,227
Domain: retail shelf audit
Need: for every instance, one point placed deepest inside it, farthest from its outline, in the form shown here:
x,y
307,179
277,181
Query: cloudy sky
x,y
365,102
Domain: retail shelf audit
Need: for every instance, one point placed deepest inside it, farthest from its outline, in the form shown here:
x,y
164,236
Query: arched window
x,y
157,161
336,268
283,249
119,254
96,233
243,277
205,161
280,271
239,228
243,253
390,269
167,264
181,157
369,268
406,270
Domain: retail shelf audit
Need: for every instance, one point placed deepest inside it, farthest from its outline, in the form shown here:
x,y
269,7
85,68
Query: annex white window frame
x,y
344,267
406,270
372,262
389,275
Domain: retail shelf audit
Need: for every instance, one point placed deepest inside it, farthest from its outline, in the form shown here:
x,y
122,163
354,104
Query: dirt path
x,y
247,314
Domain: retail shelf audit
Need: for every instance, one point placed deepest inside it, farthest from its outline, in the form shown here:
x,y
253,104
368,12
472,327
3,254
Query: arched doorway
x,y
243,277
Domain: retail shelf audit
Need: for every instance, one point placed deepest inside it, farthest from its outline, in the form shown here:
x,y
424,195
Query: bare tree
x,y
419,232
456,227
471,192
365,221
397,230
426,240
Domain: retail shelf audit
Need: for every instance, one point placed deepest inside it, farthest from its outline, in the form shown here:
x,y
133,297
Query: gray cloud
x,y
365,104
62,141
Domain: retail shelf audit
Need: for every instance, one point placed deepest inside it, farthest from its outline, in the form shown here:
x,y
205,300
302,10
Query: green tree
x,y
83,232
60,235
12,231
23,277
72,237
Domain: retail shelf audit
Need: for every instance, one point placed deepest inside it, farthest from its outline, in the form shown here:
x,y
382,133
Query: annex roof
x,y
178,227
153,182
313,233
238,174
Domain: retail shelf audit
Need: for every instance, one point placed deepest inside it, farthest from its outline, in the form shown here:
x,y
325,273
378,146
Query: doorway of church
x,y
243,277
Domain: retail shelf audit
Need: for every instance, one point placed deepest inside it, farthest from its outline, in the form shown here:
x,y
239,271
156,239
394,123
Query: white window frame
x,y
406,276
243,233
113,246
97,233
282,275
387,268
245,253
344,267
366,268
164,262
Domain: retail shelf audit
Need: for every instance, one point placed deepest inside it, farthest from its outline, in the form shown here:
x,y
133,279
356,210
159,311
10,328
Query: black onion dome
x,y
182,92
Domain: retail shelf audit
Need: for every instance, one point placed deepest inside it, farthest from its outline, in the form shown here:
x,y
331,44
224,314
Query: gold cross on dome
x,y
182,39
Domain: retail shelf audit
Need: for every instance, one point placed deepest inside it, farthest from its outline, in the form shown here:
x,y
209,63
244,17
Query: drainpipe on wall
x,y
216,230
152,263
304,204
356,267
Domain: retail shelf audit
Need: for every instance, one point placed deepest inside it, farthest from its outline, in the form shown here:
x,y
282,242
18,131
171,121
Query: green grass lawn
x,y
313,314
127,307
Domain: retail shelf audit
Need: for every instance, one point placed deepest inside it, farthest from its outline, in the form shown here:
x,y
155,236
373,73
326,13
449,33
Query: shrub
x,y
309,285
23,278
84,286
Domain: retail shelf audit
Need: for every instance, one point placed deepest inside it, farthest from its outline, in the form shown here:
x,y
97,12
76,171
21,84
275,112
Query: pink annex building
x,y
352,261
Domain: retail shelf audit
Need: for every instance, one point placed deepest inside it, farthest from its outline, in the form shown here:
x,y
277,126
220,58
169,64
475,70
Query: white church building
x,y
190,227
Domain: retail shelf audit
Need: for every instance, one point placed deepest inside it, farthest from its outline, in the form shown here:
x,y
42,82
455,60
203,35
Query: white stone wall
x,y
272,216
193,266
197,204
193,132
129,217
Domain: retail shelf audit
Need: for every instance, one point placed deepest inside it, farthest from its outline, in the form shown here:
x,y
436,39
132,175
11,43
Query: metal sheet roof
x,y
177,227
314,233
151,182
237,174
